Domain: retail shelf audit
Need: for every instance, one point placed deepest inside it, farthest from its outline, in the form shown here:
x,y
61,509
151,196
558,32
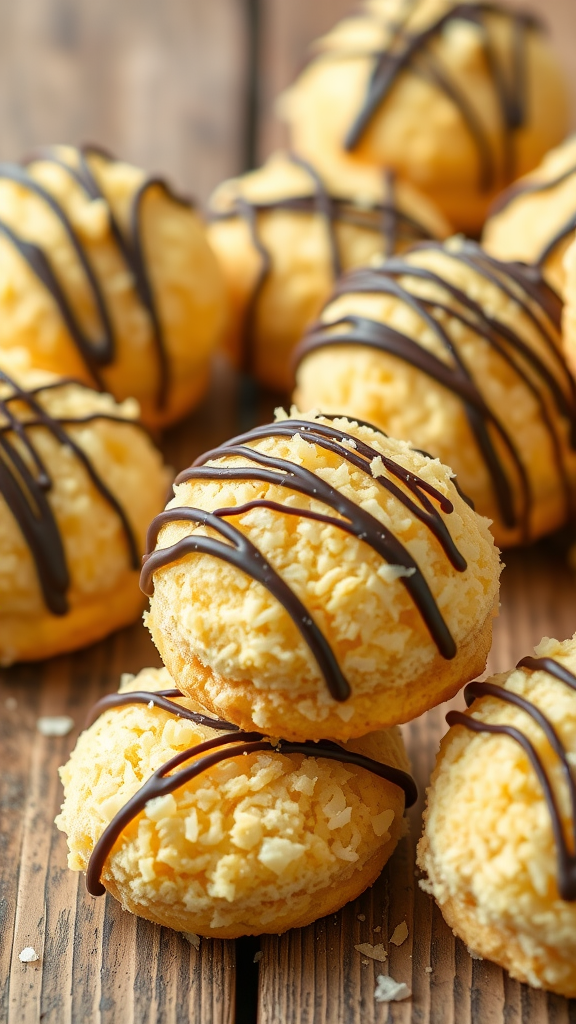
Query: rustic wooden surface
x,y
187,87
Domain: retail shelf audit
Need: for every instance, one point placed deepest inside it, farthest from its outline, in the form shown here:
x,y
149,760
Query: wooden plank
x,y
163,85
314,975
96,963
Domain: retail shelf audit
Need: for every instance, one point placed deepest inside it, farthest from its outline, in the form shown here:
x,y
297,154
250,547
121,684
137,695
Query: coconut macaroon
x,y
458,98
314,578
79,482
106,275
249,838
284,233
462,355
535,219
499,835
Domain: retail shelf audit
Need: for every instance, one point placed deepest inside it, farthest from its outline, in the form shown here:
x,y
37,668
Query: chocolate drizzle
x,y
535,186
232,546
518,282
101,351
214,751
407,51
25,482
566,853
387,219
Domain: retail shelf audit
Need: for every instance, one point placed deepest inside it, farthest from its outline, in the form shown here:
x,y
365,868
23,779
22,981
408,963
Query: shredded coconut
x,y
390,991
58,725
28,955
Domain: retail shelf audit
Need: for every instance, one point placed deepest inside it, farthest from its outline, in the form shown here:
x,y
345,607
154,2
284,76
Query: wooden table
x,y
100,964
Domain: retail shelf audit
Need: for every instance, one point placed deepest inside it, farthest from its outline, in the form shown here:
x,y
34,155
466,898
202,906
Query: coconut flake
x,y
57,725
28,955
390,991
192,938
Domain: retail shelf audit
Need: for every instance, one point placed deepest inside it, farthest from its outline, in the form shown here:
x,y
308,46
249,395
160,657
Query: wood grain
x,y
161,84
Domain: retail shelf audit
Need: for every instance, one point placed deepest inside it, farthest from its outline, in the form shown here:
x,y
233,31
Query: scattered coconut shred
x,y
28,955
59,725
390,991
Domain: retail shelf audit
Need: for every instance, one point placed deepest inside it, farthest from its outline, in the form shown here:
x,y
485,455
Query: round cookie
x,y
254,837
284,233
315,578
460,354
499,833
458,97
106,276
79,482
535,219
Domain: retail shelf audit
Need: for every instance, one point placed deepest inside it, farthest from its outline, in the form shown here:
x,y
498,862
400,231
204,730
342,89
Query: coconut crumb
x,y
400,934
192,938
361,917
390,991
258,956
57,725
428,970
378,928
374,952
28,955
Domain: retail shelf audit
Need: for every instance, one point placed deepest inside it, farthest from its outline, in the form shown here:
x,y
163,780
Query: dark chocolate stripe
x,y
232,545
25,481
386,219
215,750
566,854
411,51
534,186
523,285
101,351
159,698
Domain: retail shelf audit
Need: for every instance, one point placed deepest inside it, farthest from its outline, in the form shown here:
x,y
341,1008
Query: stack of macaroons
x,y
312,580
106,276
285,232
79,481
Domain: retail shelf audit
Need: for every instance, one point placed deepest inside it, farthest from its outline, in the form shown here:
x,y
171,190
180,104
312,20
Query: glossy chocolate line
x,y
24,488
552,667
161,783
566,858
524,286
241,553
99,352
355,520
159,699
325,437
385,218
413,54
